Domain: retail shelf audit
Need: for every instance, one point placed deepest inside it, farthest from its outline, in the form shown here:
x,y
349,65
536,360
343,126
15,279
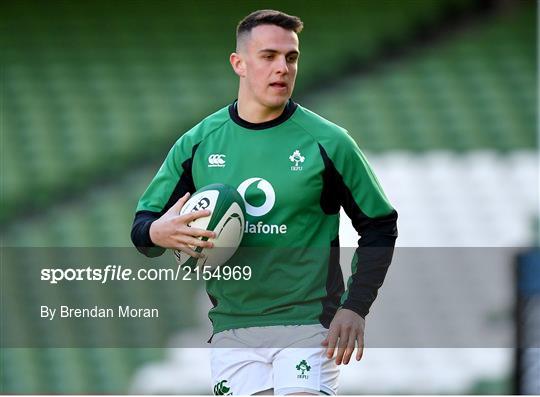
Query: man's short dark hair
x,y
269,17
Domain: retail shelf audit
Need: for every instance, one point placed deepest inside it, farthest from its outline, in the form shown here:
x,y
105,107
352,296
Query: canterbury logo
x,y
221,389
216,160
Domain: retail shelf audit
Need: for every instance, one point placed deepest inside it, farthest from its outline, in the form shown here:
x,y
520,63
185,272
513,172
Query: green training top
x,y
294,173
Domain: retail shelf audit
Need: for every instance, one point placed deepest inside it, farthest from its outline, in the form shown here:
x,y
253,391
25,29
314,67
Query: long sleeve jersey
x,y
294,174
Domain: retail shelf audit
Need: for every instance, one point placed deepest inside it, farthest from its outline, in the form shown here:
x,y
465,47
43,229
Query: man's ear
x,y
238,64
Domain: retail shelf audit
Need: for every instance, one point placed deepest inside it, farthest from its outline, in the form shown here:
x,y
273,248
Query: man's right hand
x,y
171,230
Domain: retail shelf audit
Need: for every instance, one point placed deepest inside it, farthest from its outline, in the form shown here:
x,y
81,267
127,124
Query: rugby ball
x,y
227,220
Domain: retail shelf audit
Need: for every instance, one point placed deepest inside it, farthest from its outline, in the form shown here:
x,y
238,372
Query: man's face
x,y
269,63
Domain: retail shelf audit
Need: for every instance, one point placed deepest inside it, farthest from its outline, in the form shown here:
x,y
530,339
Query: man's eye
x,y
292,59
269,57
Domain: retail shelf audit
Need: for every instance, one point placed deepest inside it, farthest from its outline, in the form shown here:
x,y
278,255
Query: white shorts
x,y
246,361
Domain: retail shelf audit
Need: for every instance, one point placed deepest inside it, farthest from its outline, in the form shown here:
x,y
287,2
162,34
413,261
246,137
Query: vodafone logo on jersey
x,y
263,209
269,193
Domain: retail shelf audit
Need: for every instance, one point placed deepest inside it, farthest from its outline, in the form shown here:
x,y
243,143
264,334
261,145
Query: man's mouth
x,y
279,84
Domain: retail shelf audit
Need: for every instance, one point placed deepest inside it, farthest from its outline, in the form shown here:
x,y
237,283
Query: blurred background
x,y
441,95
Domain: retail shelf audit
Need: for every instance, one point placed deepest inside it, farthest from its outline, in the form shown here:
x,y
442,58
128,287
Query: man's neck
x,y
256,113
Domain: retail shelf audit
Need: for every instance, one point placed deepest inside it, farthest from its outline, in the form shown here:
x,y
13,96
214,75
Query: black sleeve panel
x,y
334,286
376,243
140,231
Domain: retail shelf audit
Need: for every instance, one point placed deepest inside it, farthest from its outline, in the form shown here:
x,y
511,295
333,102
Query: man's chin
x,y
277,102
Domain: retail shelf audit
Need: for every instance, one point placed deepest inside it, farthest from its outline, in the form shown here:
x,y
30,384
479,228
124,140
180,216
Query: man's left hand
x,y
346,331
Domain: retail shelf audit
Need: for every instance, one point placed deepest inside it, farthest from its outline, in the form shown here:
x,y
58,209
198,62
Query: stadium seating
x,y
473,91
93,89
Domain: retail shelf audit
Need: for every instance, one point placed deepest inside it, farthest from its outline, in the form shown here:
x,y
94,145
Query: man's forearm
x,y
140,234
374,255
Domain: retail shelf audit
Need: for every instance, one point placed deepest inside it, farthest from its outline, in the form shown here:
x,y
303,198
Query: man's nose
x,y
281,65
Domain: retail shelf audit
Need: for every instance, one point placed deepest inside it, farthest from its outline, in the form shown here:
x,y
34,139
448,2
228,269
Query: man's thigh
x,y
241,371
305,370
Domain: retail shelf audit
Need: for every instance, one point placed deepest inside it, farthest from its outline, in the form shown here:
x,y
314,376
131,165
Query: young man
x,y
295,170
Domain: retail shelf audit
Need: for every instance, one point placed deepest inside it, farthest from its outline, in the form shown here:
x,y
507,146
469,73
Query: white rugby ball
x,y
227,220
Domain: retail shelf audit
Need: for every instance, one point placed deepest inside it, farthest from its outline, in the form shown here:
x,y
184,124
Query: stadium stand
x,y
106,83
99,87
473,91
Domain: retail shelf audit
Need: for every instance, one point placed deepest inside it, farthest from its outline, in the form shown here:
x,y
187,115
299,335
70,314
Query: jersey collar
x,y
290,107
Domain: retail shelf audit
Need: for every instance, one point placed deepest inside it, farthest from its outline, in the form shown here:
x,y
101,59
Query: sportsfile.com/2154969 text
x,y
124,273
